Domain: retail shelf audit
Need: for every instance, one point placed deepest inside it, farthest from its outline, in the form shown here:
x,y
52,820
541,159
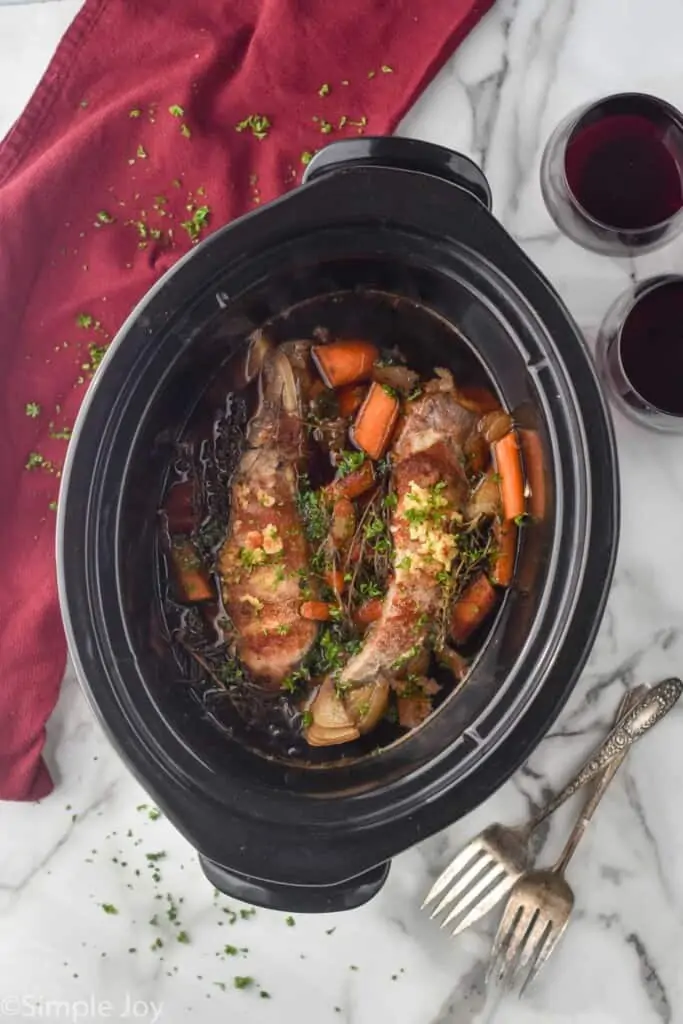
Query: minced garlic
x,y
272,541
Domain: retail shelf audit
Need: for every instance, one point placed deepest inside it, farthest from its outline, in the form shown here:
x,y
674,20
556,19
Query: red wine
x,y
624,168
652,347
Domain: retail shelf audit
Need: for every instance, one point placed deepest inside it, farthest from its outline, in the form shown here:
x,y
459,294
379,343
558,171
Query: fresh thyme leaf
x,y
32,410
109,908
175,110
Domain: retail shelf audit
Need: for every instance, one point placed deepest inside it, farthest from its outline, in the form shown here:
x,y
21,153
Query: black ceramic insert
x,y
374,217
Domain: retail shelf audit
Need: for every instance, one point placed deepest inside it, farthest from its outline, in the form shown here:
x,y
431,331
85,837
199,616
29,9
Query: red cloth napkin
x,y
127,153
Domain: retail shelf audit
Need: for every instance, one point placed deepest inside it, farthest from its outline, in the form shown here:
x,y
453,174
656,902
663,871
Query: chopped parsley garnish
x,y
157,944
314,514
197,222
32,409
306,157
156,856
154,814
386,70
264,994
289,921
230,950
522,519
306,719
34,460
324,90
185,131
258,124
52,506
349,461
84,320
135,112
183,937
109,908
141,153
104,217
246,914
176,111
241,981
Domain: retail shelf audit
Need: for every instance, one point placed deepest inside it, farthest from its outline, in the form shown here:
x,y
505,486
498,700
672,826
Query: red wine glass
x,y
639,353
612,174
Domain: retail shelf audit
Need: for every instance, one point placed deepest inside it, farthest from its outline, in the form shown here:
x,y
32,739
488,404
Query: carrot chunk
x,y
375,421
368,612
191,576
355,483
344,362
316,611
471,608
509,468
503,560
335,579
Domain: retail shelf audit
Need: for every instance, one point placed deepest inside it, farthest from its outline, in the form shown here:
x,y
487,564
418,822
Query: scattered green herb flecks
x,y
306,157
154,814
157,944
52,506
324,90
105,218
307,719
34,460
386,70
258,124
241,981
197,222
264,994
141,153
289,921
230,950
185,131
156,856
135,113
175,110
246,914
32,409
84,320
522,519
183,937
109,908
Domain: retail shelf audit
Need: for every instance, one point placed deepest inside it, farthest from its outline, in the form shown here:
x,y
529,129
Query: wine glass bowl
x,y
612,174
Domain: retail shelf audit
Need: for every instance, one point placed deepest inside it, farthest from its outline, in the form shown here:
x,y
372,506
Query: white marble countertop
x,y
528,63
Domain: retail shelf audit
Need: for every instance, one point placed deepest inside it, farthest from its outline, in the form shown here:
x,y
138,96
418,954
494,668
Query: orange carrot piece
x,y
355,483
191,576
509,468
503,561
368,612
471,608
335,579
532,450
350,399
316,611
375,421
344,362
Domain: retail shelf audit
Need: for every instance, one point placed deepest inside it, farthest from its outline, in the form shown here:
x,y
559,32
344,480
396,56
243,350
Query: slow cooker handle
x,y
302,899
407,154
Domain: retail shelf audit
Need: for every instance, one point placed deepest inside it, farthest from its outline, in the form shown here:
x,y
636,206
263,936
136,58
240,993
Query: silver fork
x,y
488,867
540,904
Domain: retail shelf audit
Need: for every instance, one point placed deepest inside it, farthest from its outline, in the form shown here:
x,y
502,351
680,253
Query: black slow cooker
x,y
390,217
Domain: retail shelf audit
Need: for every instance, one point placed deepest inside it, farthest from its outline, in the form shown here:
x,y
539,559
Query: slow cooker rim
x,y
133,322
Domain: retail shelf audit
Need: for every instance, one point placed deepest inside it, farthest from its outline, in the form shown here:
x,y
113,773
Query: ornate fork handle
x,y
655,702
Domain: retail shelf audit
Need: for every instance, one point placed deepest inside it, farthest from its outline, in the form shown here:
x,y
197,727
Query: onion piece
x,y
398,377
366,704
495,425
485,500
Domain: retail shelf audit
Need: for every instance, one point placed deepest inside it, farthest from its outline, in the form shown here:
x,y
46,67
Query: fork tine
x,y
544,952
458,864
486,903
470,898
464,881
533,944
501,943
515,947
